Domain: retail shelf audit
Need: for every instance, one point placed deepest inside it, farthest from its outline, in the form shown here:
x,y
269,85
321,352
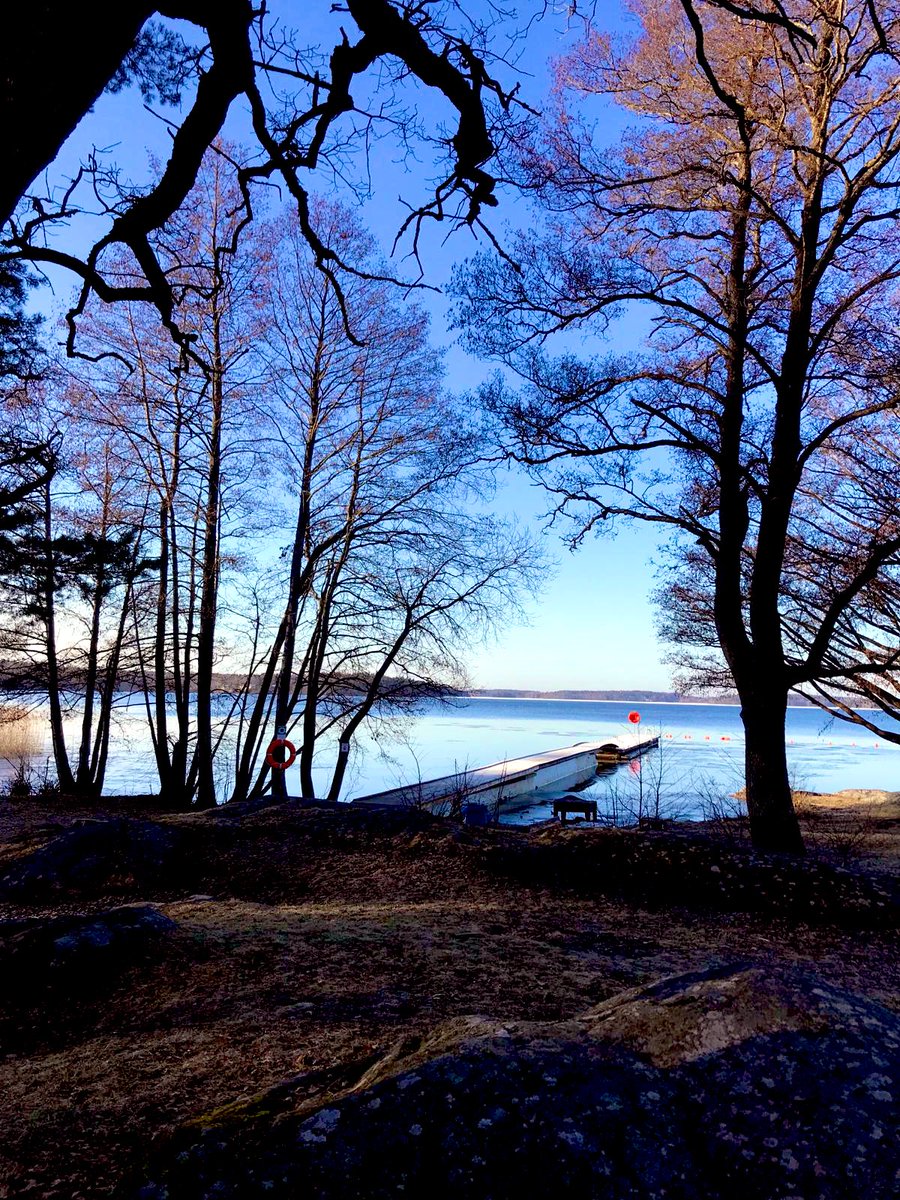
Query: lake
x,y
698,765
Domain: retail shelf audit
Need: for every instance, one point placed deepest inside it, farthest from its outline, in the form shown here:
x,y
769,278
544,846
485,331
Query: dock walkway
x,y
511,779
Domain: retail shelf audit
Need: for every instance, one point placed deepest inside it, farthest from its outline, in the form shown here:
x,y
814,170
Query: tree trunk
x,y
298,581
100,754
161,744
84,780
340,768
256,723
770,805
311,706
64,775
206,788
55,62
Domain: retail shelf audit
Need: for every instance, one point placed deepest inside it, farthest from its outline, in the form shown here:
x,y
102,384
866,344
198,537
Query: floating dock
x,y
515,778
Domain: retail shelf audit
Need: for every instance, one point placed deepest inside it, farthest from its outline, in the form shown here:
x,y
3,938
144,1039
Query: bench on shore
x,y
569,805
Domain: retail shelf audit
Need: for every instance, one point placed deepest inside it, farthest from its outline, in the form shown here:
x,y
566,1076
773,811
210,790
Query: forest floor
x,y
309,937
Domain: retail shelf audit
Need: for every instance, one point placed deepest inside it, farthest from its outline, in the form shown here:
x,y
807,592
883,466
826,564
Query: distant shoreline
x,y
588,699
660,698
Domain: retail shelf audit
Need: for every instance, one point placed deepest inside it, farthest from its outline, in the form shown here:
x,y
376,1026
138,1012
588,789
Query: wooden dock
x,y
515,778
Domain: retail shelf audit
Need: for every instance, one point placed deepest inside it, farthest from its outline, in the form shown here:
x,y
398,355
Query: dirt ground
x,y
304,941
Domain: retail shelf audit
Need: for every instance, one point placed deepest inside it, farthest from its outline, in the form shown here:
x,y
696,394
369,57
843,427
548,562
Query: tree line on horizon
x,y
749,214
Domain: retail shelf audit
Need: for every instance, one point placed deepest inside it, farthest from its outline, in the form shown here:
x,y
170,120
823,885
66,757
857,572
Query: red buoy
x,y
281,764
634,718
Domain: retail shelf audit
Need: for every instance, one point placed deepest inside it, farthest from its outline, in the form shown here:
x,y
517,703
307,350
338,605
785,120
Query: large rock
x,y
95,857
38,956
745,1084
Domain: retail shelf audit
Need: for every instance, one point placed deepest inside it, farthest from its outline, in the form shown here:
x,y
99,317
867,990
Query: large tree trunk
x,y
770,805
55,61
773,823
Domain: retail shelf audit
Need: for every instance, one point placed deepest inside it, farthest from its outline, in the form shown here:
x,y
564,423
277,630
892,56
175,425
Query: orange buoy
x,y
280,764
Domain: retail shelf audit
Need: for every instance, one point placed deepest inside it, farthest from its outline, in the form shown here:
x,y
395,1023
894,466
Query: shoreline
x,y
551,697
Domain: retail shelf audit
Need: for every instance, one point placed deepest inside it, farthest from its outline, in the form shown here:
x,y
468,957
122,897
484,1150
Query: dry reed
x,y
21,734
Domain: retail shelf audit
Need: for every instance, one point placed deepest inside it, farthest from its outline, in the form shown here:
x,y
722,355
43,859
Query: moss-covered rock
x,y
736,1082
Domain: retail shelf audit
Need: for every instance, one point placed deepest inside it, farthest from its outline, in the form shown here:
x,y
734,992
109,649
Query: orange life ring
x,y
272,761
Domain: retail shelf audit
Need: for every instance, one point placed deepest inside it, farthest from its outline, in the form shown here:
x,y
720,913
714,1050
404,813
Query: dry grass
x,y
854,824
21,734
320,944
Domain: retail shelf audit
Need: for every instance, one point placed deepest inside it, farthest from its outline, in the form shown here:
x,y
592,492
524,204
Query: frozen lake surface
x,y
699,762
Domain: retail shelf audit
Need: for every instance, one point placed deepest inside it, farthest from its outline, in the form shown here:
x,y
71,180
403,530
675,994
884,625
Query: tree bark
x,y
55,61
84,780
64,775
340,768
770,805
206,634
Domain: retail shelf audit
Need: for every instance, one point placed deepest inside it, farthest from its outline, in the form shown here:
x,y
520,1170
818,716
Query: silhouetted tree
x,y
387,574
27,460
177,437
754,215
56,59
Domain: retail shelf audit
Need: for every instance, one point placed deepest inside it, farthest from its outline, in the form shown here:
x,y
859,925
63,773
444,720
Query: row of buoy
x,y
689,737
875,745
725,737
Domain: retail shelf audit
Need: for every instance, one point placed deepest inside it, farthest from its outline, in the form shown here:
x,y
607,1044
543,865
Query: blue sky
x,y
591,626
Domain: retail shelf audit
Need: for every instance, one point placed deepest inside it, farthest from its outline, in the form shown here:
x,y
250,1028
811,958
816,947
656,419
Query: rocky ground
x,y
316,1002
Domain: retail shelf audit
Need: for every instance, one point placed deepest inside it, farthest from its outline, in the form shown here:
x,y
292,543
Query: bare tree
x,y
178,433
384,567
67,594
753,215
386,572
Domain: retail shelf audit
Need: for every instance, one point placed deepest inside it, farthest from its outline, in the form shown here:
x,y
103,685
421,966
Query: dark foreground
x,y
318,1003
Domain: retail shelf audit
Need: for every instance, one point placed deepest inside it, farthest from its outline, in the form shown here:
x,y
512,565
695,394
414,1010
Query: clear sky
x,y
591,626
